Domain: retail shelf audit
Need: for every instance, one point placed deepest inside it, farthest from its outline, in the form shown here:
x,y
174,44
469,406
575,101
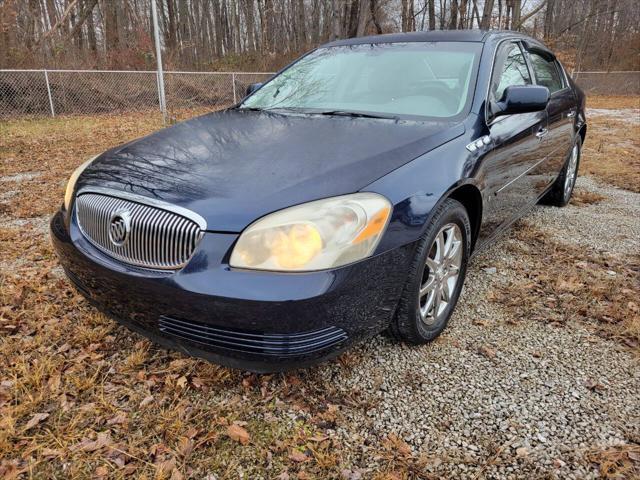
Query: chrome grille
x,y
158,237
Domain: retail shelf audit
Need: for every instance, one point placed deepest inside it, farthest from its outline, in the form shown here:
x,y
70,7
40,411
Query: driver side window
x,y
511,69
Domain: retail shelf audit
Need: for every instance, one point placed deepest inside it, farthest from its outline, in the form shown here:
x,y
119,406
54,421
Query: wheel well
x,y
469,196
583,132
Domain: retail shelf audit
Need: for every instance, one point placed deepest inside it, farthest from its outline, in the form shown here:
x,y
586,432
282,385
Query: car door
x,y
561,111
518,145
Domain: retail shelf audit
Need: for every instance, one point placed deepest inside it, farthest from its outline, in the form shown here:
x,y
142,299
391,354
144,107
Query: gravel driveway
x,y
508,399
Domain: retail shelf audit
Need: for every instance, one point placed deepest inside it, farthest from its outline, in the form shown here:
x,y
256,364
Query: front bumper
x,y
259,321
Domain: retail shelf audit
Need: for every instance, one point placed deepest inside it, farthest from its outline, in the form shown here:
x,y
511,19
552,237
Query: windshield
x,y
395,79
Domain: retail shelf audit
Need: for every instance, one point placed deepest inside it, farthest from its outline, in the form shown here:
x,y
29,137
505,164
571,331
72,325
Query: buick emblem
x,y
120,227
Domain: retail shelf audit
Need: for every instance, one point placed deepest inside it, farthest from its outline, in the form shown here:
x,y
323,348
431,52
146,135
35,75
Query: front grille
x,y
259,343
154,237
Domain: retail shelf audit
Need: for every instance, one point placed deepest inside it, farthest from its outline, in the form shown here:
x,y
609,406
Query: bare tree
x,y
206,34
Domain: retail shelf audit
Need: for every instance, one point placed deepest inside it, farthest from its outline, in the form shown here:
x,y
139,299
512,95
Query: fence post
x,y
46,79
156,33
233,82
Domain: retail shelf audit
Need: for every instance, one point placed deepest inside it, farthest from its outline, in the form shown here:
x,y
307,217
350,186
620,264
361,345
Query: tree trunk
x,y
463,15
374,16
548,19
363,17
217,28
351,18
302,27
407,15
247,6
335,20
487,12
91,32
432,14
475,14
85,13
112,40
515,15
453,22
171,34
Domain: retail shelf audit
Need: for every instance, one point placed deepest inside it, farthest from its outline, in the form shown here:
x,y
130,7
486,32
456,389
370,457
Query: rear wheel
x,y
562,189
436,276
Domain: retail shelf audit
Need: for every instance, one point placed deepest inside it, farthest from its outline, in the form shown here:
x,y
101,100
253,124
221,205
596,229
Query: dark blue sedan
x,y
341,198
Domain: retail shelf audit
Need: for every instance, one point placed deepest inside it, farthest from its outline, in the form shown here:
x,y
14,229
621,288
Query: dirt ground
x,y
536,376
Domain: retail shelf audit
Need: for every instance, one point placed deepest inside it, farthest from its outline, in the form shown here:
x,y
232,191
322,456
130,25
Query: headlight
x,y
71,184
314,236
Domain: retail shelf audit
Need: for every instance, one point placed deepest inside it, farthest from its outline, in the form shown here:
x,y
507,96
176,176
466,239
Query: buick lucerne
x,y
341,198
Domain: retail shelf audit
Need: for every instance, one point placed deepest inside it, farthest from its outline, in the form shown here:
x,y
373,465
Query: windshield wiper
x,y
270,109
250,109
348,113
343,113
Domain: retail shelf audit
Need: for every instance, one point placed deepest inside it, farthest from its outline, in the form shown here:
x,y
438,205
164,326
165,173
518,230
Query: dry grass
x,y
585,197
617,463
82,397
613,101
576,284
612,151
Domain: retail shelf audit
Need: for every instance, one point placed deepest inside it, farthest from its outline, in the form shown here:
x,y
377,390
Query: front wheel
x,y
435,277
562,189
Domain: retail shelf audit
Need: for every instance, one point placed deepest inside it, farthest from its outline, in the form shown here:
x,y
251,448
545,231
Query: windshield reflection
x,y
399,79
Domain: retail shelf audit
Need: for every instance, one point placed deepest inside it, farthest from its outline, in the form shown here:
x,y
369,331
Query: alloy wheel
x,y
570,175
440,274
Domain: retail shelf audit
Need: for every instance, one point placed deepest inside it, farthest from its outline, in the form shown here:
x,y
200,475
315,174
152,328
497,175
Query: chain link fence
x,y
609,83
86,92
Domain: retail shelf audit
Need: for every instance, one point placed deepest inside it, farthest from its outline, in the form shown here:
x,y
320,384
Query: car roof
x,y
430,36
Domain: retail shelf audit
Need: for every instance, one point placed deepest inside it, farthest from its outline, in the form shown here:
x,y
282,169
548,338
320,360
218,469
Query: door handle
x,y
571,114
541,133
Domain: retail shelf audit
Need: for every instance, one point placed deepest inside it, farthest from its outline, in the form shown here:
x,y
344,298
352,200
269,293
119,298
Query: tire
x,y
562,189
416,319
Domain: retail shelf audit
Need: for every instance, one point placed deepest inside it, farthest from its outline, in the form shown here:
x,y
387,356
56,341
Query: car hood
x,y
232,167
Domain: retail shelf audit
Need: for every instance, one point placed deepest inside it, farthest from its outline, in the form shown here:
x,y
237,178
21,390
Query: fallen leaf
x,y
146,401
593,385
35,420
119,418
350,475
50,452
238,433
487,351
103,439
297,456
54,382
570,285
100,472
197,382
185,446
392,476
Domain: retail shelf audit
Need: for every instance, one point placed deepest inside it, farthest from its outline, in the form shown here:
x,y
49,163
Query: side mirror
x,y
521,99
252,88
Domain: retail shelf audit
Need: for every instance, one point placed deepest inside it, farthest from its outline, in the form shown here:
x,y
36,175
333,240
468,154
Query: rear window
x,y
546,72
